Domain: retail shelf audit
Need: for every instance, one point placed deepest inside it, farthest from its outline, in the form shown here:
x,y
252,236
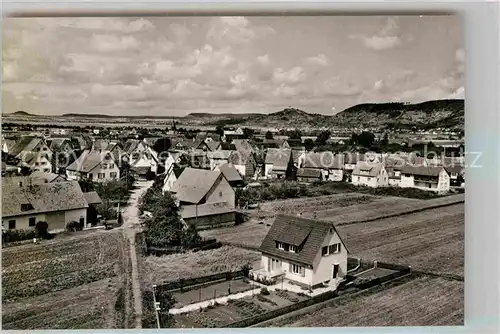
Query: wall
x,y
44,164
382,178
75,215
323,265
241,169
107,171
394,182
369,181
22,222
213,221
267,169
407,181
307,279
169,182
444,182
336,175
221,192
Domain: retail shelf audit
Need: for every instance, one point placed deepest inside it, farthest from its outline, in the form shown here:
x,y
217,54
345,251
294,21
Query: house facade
x,y
425,178
278,164
57,203
97,166
370,174
33,152
209,215
331,166
308,252
171,176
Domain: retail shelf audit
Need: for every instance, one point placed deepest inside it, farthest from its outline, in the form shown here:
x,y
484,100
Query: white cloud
x,y
320,59
234,31
264,60
387,38
294,75
110,43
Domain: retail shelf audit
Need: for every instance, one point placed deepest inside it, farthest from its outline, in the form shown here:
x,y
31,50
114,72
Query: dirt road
x,y
131,226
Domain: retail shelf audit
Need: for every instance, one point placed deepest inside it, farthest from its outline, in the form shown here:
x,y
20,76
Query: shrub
x,y
18,235
41,229
264,291
245,270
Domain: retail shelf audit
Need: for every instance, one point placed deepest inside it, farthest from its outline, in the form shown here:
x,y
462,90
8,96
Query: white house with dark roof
x,y
370,174
231,174
33,152
425,178
200,186
97,166
308,252
171,176
209,215
331,166
218,158
57,203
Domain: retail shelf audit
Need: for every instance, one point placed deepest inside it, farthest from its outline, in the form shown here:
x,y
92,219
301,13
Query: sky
x,y
179,65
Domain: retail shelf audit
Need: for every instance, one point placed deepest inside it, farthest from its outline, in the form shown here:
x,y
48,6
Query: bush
x,y
245,270
264,291
41,229
74,226
18,235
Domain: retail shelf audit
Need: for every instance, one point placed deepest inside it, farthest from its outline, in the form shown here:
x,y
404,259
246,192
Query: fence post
x,y
200,293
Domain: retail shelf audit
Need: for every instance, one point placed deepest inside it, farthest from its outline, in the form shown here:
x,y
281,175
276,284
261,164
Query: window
x,y
45,149
359,179
46,170
111,165
104,166
38,149
280,245
293,249
112,175
91,176
331,249
220,193
26,207
32,221
12,224
101,175
37,163
44,163
296,269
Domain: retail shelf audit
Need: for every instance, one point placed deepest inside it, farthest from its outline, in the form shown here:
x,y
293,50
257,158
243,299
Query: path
x,y
131,226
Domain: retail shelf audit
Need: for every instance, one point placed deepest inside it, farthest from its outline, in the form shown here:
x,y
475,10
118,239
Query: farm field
x,y
223,314
431,240
423,301
160,269
68,283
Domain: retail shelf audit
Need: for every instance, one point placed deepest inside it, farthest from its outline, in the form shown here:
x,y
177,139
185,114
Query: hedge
x,y
18,235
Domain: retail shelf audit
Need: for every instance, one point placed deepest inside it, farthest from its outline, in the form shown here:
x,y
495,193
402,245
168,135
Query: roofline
x,y
39,212
285,259
210,214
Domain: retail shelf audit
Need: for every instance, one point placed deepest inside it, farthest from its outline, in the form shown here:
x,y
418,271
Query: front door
x,y
335,271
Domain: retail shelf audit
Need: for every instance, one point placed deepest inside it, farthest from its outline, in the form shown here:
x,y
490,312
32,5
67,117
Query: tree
x,y
248,133
41,229
25,171
162,145
269,135
323,137
309,144
86,185
385,140
106,210
219,130
191,237
295,134
354,139
174,125
366,139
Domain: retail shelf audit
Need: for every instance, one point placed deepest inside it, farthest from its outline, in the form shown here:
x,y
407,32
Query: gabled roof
x,y
230,173
324,160
421,171
207,209
240,157
88,160
193,184
44,197
220,154
296,154
367,169
279,158
213,145
25,144
50,177
56,143
309,172
92,197
454,169
243,145
306,233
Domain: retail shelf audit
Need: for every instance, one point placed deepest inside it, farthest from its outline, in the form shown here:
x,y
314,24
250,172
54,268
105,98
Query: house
x,y
309,175
33,152
141,157
244,161
209,215
200,186
64,152
47,177
232,175
393,167
218,158
307,252
370,174
425,178
351,159
97,166
57,203
331,166
279,163
229,135
171,176
456,174
93,200
212,145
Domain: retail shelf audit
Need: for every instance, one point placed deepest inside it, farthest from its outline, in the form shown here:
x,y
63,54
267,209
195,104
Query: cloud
x,y
179,31
110,43
108,24
320,59
336,87
387,38
294,75
234,31
264,60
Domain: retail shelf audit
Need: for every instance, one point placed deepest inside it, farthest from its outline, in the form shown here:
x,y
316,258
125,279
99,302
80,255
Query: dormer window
x,y
293,249
280,245
26,207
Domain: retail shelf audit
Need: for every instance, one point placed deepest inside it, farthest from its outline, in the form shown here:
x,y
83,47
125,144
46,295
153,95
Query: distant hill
x,y
430,114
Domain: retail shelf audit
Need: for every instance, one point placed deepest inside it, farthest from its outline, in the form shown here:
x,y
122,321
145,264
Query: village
x,y
230,191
